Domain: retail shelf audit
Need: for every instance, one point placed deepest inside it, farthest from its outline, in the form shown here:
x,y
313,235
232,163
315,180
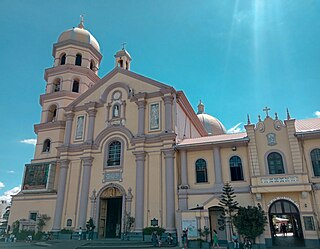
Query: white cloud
x,y
7,195
2,185
235,129
317,114
29,141
10,171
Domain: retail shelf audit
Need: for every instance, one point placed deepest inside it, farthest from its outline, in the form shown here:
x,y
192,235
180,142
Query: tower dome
x,y
79,34
212,125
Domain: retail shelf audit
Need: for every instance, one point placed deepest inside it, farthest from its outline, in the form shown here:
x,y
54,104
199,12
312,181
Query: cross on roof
x,y
266,109
123,45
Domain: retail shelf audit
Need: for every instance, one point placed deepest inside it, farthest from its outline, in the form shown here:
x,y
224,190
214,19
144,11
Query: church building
x,y
125,145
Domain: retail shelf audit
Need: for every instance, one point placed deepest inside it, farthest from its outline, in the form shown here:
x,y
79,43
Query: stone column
x,y
168,112
84,194
141,116
184,168
170,190
69,120
92,116
217,165
139,203
60,195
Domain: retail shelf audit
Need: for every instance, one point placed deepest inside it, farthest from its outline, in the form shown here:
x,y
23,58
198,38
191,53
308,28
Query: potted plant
x,y
250,222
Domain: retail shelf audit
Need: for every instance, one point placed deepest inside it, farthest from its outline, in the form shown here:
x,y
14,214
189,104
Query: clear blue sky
x,y
236,56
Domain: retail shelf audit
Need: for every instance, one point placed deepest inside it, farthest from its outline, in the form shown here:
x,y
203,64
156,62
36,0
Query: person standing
x,y
284,229
215,239
80,233
235,241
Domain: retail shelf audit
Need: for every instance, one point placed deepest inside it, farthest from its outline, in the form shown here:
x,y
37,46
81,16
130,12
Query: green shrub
x,y
150,230
66,231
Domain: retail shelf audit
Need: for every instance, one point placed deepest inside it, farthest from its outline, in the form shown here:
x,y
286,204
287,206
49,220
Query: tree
x,y
229,205
250,221
42,221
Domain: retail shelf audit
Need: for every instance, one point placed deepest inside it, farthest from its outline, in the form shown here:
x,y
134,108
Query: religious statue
x,y
115,111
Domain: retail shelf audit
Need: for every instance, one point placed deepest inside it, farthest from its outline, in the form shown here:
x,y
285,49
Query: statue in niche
x,y
79,129
116,111
154,117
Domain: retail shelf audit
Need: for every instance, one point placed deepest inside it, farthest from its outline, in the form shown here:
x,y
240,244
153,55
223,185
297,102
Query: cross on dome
x,y
81,24
123,45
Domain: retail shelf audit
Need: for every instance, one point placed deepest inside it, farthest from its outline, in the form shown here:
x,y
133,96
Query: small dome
x,y
122,53
212,125
81,35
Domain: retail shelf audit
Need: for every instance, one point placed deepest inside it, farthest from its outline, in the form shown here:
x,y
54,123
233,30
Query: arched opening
x,y
75,86
236,168
63,59
275,163
201,171
217,222
46,145
56,85
78,60
110,213
285,224
120,63
92,65
52,113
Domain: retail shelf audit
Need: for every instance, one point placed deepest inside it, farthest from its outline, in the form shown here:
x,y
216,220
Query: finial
x,y
200,108
276,115
288,114
266,109
259,117
123,45
81,24
248,118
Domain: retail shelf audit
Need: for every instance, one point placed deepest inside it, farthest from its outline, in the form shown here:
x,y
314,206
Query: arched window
x,y
52,113
56,85
63,59
46,145
92,65
275,163
236,168
315,159
201,171
114,154
75,86
78,60
120,63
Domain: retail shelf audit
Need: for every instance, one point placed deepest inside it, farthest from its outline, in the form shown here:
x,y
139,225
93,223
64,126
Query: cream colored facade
x,y
126,145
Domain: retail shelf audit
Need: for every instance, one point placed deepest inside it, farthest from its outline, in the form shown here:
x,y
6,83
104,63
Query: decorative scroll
x,y
154,116
286,179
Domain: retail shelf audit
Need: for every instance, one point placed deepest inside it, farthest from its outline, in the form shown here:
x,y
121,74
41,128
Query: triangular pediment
x,y
119,77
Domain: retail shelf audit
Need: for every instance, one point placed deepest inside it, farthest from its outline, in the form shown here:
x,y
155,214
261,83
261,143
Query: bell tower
x,y
75,69
123,58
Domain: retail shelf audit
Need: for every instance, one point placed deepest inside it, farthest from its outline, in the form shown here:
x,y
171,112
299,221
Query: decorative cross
x,y
82,17
123,45
266,109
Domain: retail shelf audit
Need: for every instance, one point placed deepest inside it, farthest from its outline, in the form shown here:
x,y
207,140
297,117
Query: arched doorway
x,y
217,223
110,213
285,224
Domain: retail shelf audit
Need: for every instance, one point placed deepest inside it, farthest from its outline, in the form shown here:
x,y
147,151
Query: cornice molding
x,y
70,68
49,126
77,43
56,95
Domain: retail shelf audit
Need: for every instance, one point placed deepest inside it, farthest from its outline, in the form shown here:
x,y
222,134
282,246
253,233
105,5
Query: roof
x,y
308,125
213,139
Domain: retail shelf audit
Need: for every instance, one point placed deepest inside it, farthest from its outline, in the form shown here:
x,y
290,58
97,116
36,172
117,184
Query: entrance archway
x,y
110,213
217,223
285,224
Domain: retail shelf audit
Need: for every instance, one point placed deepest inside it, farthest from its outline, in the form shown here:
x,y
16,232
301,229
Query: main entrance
x,y
285,224
217,223
110,213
